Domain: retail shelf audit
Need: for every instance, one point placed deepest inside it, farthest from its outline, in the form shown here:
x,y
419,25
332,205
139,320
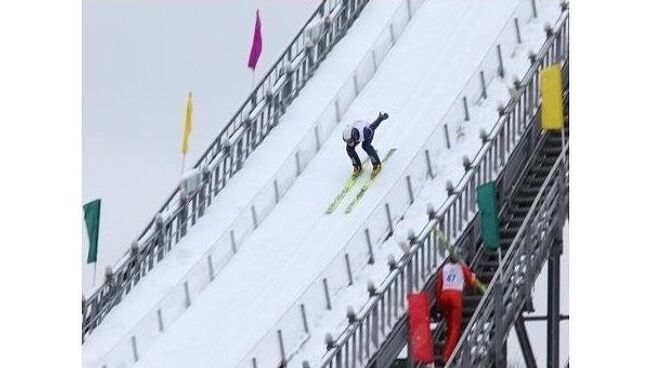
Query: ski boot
x,y
356,170
376,167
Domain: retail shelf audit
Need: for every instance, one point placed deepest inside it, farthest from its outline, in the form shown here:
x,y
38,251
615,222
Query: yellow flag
x,y
187,128
552,107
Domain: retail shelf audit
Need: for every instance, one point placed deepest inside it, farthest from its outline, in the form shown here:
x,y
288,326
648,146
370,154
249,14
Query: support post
x,y
390,220
254,215
465,108
328,303
210,268
338,110
317,136
483,85
534,8
134,347
349,268
553,309
374,61
447,136
501,70
356,85
498,325
371,254
281,342
188,302
427,155
303,312
161,327
517,30
524,343
297,163
233,244
410,188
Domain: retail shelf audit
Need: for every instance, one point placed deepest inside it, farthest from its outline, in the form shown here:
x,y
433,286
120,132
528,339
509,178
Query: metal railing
x,y
517,272
375,321
252,122
142,334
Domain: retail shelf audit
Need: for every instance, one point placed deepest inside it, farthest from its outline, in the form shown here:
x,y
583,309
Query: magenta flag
x,y
256,48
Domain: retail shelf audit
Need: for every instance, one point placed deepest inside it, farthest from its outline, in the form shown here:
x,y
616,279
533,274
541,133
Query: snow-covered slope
x,y
416,84
160,286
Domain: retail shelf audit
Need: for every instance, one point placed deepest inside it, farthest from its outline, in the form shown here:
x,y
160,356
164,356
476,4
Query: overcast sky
x,y
140,58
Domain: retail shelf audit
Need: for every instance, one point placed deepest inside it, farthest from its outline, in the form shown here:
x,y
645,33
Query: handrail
x,y
543,198
248,127
387,303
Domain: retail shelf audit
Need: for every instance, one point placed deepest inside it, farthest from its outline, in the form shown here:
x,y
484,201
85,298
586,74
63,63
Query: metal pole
x,y
466,108
534,6
232,241
501,70
370,252
349,268
517,31
297,163
410,188
483,86
134,347
254,215
428,157
390,220
94,272
553,309
327,295
161,327
282,355
317,138
303,312
498,333
187,295
524,343
277,191
210,267
447,136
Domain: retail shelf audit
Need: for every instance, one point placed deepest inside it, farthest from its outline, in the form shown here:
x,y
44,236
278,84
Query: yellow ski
x,y
366,184
349,184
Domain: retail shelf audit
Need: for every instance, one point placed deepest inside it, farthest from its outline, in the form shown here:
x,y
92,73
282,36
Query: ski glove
x,y
383,115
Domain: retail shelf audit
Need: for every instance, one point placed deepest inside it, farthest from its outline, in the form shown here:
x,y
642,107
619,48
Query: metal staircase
x,y
515,210
530,228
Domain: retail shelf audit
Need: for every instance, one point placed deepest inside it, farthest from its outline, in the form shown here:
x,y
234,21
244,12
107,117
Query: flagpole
x,y
94,273
183,165
253,81
563,145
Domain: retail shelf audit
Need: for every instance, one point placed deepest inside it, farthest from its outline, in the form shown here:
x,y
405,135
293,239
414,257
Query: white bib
x,y
452,277
360,125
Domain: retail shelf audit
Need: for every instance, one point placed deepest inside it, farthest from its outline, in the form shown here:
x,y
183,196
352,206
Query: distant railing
x,y
250,125
375,321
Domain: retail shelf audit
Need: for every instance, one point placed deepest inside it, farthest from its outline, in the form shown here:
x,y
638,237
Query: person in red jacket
x,y
449,294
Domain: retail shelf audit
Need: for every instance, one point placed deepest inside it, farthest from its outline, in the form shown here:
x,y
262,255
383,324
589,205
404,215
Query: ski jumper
x,y
449,292
366,133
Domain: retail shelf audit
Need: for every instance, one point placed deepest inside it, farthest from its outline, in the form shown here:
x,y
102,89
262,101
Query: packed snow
x,y
420,79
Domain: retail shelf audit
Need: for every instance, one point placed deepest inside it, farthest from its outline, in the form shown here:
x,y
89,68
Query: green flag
x,y
91,215
487,205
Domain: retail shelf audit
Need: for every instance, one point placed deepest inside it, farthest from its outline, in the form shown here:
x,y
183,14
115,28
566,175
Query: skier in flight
x,y
361,131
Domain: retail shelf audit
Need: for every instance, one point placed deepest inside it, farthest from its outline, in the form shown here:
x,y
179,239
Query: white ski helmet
x,y
350,133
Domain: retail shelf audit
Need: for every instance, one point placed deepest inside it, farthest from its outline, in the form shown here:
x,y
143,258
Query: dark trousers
x,y
366,145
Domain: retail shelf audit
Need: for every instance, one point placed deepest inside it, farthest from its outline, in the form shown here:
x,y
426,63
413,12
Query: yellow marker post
x,y
552,106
